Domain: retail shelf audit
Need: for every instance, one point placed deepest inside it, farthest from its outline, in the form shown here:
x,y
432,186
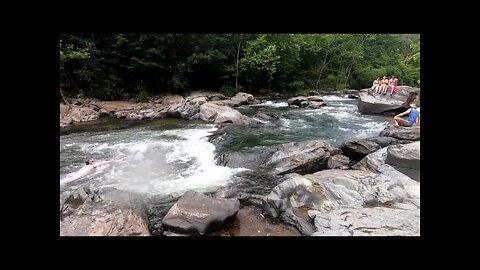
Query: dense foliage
x,y
117,66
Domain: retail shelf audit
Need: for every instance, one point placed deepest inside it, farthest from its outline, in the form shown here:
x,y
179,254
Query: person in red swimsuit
x,y
391,85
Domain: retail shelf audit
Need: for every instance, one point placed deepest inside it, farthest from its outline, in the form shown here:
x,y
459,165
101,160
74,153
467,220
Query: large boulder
x,y
372,161
114,213
240,99
300,157
153,114
171,99
358,149
403,133
176,106
411,186
368,103
78,113
371,103
315,98
291,193
332,190
297,101
377,221
405,158
338,162
375,162
198,213
210,112
311,102
355,189
187,109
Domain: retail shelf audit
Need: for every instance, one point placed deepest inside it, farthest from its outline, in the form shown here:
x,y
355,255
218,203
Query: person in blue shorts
x,y
413,117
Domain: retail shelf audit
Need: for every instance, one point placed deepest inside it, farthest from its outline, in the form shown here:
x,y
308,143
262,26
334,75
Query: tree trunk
x,y
236,83
91,88
322,67
93,51
63,97
320,72
93,54
329,47
236,64
174,53
156,82
348,74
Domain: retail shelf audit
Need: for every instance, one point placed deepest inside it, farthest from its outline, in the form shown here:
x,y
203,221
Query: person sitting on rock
x,y
418,118
413,117
384,86
376,85
391,85
395,83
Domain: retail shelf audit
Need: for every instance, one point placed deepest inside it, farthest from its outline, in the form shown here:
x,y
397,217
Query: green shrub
x,y
228,91
296,85
143,97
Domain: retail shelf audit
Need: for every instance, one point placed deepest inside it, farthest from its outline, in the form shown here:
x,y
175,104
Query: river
x,y
161,159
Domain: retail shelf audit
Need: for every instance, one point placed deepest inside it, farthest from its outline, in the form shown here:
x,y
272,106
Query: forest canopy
x,y
120,66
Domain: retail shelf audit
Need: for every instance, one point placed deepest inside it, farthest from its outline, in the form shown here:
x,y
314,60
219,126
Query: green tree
x,y
261,56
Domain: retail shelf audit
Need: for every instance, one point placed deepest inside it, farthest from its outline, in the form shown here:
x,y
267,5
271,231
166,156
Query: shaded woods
x,y
122,66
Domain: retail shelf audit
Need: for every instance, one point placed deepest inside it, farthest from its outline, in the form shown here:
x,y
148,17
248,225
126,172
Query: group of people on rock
x,y
383,85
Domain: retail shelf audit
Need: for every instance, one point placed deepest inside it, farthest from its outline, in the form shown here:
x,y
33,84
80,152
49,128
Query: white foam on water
x,y
345,129
261,120
335,98
272,104
371,129
160,162
341,115
286,123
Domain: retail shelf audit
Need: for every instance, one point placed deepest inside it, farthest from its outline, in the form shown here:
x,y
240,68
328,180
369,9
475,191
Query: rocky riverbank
x,y
371,189
363,187
204,105
207,106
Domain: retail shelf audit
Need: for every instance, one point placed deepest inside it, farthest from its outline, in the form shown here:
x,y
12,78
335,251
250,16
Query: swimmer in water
x,y
88,168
